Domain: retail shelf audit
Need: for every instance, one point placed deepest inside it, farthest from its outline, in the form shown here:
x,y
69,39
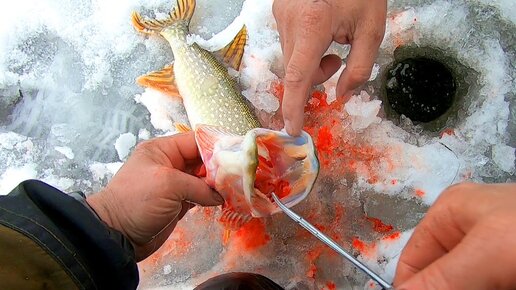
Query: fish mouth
x,y
247,169
279,163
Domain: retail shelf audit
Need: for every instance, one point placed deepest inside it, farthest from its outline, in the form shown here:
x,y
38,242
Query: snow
x,y
13,176
123,145
70,111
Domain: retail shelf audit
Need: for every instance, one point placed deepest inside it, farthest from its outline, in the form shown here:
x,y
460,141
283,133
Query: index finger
x,y
303,64
180,149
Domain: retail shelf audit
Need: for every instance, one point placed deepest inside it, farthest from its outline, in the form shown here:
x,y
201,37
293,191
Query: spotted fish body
x,y
210,95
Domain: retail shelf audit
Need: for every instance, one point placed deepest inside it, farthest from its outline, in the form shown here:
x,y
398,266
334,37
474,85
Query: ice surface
x,y
67,93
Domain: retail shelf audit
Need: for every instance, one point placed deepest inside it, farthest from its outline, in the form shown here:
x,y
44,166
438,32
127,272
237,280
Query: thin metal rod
x,y
328,241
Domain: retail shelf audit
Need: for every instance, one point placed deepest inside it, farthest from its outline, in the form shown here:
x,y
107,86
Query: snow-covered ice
x,y
70,111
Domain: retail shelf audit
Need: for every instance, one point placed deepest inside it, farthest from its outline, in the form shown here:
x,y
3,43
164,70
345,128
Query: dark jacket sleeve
x,y
44,226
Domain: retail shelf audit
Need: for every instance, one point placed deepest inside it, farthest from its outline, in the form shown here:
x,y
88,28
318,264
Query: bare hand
x,y
153,191
467,240
307,29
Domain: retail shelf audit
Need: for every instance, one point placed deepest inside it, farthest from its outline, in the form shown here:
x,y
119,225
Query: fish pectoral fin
x,y
182,12
163,81
182,128
232,53
206,136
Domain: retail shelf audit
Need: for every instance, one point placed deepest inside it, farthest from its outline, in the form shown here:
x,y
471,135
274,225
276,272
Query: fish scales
x,y
210,95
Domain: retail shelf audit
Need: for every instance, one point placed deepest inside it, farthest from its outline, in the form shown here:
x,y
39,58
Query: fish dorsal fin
x,y
183,11
163,81
233,52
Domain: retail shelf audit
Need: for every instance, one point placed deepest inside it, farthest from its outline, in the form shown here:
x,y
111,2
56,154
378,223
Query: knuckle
x,y
377,35
359,75
294,75
144,146
313,14
454,195
457,190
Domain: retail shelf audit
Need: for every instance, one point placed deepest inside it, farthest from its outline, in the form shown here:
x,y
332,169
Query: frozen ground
x,y
70,112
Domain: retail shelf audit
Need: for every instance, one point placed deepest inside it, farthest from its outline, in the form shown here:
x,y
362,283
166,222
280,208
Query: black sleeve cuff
x,y
95,256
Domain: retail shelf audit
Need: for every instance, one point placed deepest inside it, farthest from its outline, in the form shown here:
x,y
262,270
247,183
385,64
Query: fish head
x,y
247,169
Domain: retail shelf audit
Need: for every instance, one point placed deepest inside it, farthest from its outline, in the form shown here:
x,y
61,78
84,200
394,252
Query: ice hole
x,y
425,85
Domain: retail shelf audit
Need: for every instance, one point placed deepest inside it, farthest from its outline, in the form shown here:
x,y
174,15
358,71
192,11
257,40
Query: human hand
x,y
466,241
307,29
153,191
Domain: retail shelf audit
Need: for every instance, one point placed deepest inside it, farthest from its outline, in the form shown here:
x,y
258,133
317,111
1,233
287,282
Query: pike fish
x,y
244,163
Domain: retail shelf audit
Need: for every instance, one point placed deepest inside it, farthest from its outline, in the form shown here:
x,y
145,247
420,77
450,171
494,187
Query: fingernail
x,y
290,129
218,197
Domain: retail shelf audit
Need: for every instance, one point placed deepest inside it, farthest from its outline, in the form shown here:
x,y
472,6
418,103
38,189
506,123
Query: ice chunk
x,y
143,134
362,111
167,269
62,183
100,171
66,151
331,84
123,145
374,72
504,156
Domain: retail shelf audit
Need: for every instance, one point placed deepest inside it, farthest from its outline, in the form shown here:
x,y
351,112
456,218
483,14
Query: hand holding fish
x,y
153,191
307,29
466,241
244,162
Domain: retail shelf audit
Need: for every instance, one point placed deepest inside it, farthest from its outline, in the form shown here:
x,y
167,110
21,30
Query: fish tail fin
x,y
182,12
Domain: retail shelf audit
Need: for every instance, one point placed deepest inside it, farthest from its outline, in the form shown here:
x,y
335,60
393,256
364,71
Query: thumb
x,y
193,189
